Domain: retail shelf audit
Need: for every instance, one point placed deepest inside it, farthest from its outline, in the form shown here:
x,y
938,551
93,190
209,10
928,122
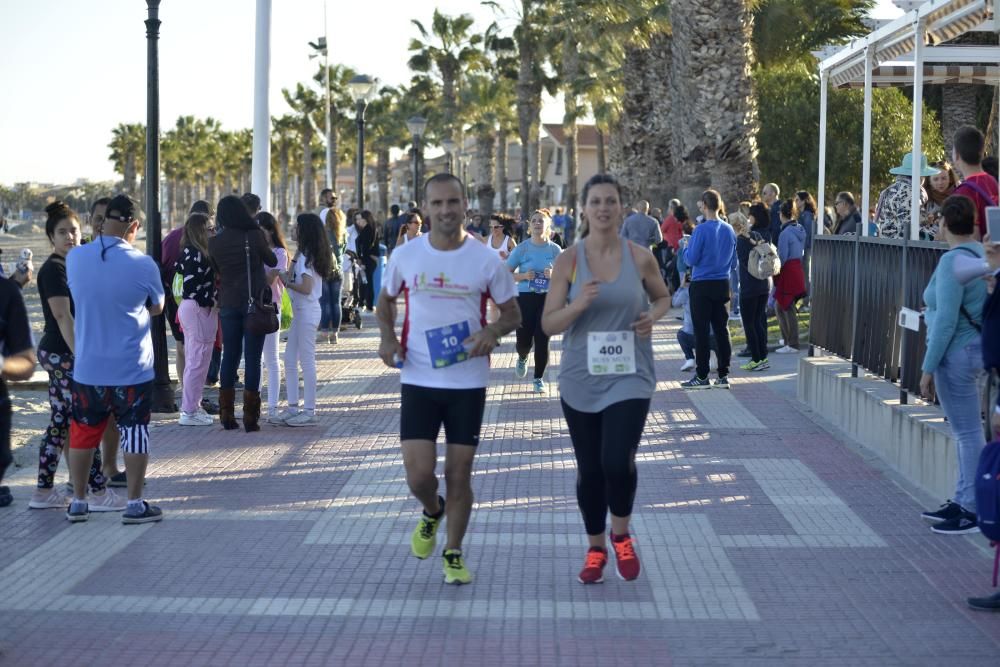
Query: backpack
x,y
988,498
763,262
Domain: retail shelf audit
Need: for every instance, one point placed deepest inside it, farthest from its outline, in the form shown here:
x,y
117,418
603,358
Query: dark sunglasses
x,y
496,226
119,218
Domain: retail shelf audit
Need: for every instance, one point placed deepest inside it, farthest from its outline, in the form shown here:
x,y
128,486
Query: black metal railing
x,y
878,344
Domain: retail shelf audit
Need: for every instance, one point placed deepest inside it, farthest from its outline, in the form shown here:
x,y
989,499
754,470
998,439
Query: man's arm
x,y
389,349
481,343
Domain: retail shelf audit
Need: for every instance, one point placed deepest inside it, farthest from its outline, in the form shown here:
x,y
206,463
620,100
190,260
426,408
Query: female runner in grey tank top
x,y
600,297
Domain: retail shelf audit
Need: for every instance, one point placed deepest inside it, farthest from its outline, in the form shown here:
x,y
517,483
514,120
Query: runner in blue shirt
x,y
531,262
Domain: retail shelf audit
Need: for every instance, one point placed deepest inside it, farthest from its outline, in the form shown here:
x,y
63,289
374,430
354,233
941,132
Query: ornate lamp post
x,y
416,125
362,87
320,48
163,393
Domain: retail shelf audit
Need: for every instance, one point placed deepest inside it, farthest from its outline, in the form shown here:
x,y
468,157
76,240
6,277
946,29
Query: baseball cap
x,y
122,209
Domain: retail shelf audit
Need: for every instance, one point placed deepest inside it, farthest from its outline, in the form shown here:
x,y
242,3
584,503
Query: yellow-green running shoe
x,y
455,571
424,535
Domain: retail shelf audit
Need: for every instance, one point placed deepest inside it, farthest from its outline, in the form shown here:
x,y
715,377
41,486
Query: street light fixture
x,y
362,88
449,147
416,125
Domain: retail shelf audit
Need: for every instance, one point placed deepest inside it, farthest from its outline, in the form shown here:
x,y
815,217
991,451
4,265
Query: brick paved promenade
x,y
763,539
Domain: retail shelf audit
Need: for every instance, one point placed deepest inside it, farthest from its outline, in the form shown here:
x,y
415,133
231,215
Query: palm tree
x,y
455,53
387,130
128,151
306,102
490,101
284,133
714,120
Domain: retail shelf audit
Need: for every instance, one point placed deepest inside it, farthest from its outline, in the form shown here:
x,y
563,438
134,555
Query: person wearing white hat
x,y
892,215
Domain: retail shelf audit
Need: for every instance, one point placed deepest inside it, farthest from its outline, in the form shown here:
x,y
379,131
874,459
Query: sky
x,y
74,69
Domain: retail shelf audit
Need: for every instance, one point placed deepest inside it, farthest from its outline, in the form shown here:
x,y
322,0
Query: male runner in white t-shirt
x,y
445,278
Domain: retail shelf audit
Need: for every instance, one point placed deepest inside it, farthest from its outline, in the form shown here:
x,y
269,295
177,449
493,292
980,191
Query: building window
x,y
559,161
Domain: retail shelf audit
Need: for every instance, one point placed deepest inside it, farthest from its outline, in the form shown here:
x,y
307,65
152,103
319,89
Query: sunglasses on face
x,y
496,227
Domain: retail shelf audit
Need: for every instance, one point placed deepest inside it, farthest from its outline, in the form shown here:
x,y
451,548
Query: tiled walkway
x,y
763,539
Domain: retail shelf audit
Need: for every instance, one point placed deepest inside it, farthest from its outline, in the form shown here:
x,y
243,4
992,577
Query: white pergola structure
x,y
904,52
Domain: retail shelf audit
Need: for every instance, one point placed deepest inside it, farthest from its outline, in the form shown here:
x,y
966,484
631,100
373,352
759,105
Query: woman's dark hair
x,y
57,211
808,203
233,214
787,209
272,229
760,218
681,213
370,219
313,244
202,206
959,215
351,212
506,221
600,179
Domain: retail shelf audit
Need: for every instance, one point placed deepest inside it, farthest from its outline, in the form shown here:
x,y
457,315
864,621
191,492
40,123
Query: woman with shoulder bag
x,y
240,251
953,362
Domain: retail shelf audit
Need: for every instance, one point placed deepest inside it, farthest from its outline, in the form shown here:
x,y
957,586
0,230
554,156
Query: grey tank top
x,y
616,307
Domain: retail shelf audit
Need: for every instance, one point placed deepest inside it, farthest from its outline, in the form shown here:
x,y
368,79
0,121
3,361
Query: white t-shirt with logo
x,y
445,291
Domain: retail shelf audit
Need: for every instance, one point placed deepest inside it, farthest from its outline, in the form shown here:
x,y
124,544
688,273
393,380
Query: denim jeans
x,y
236,342
330,313
957,383
686,341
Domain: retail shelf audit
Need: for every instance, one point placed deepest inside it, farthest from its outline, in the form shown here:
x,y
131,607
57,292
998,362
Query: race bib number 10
x,y
445,344
611,353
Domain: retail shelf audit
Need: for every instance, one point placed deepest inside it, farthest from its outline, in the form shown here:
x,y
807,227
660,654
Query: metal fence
x,y
869,335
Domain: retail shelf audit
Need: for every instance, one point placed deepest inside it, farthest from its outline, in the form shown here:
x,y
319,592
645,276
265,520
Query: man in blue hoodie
x,y
711,254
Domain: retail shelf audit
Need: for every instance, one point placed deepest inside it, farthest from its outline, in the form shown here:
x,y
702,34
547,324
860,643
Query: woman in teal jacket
x,y
953,363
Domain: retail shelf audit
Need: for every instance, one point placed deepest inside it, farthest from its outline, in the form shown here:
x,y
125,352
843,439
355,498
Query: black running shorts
x,y
425,409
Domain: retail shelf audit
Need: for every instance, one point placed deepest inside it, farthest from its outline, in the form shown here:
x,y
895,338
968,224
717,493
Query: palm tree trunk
x,y
602,153
308,198
713,144
958,108
283,193
382,178
485,161
502,168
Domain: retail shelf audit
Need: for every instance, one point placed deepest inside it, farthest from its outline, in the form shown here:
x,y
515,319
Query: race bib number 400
x,y
445,344
611,353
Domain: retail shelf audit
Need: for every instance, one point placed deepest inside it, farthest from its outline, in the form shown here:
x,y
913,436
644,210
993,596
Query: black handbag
x,y
261,318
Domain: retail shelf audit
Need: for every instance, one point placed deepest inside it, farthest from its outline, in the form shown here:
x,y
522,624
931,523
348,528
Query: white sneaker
x,y
781,342
196,419
44,499
274,416
786,350
688,365
106,501
304,418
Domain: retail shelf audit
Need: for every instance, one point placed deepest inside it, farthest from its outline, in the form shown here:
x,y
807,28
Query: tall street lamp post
x,y
416,125
362,86
321,49
163,393
449,147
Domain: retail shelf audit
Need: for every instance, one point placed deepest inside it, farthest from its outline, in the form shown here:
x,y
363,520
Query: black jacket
x,y
229,257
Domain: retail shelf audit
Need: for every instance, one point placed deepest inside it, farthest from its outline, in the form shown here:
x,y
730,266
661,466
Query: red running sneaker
x,y
593,567
625,556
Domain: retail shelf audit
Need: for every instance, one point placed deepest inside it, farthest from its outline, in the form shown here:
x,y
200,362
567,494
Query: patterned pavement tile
x,y
764,540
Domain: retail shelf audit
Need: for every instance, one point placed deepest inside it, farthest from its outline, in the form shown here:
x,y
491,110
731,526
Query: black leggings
x,y
605,444
753,310
530,331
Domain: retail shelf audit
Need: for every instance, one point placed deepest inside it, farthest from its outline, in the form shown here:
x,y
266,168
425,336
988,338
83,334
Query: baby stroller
x,y
351,300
